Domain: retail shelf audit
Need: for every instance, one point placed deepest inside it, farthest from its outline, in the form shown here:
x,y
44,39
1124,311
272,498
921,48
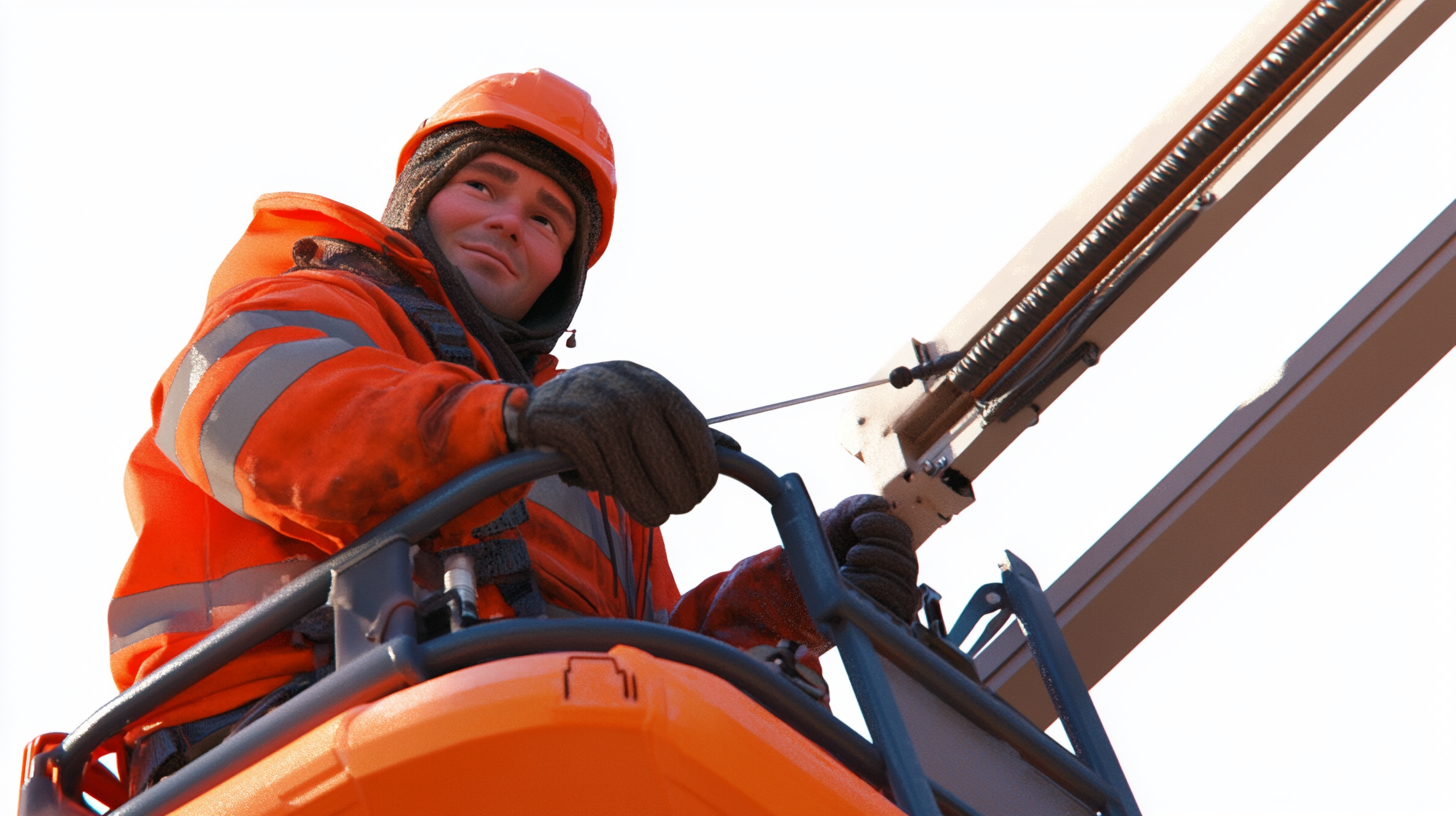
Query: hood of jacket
x,y
438,158
281,220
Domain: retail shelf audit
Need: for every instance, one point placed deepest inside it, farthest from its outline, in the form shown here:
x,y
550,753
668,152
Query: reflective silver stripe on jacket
x,y
575,507
189,607
250,393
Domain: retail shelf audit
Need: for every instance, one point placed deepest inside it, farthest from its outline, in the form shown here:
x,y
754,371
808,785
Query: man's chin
x,y
493,299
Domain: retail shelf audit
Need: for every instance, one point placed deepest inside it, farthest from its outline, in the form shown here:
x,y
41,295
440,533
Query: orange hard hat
x,y
546,105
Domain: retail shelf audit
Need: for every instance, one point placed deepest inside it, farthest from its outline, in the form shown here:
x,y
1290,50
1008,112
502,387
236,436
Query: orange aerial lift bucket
x,y
567,733
589,715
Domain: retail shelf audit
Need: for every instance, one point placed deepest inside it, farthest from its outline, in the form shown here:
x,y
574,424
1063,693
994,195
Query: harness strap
x,y
501,558
445,336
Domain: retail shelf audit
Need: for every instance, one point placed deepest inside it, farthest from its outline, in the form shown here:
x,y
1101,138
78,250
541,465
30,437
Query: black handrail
x,y
860,630
310,590
392,666
299,597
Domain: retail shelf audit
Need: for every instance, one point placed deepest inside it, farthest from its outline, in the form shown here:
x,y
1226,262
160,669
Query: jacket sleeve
x,y
755,603
307,402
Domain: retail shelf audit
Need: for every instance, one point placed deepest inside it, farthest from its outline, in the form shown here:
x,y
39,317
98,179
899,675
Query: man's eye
x,y
541,219
478,185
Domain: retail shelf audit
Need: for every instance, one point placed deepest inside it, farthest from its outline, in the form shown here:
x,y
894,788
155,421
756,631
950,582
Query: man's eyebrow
x,y
501,172
557,206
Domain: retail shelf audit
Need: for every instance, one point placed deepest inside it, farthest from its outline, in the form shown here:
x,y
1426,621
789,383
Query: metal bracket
x,y
373,601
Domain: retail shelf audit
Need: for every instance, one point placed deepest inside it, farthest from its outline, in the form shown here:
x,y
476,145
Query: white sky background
x,y
803,186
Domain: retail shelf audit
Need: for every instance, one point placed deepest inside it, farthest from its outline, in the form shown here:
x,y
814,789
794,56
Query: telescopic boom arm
x,y
1284,83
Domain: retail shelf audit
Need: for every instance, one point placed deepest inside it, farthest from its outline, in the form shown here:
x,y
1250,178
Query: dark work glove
x,y
723,440
875,552
631,433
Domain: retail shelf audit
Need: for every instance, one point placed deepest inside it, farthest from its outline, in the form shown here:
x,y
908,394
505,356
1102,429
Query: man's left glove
x,y
631,433
875,551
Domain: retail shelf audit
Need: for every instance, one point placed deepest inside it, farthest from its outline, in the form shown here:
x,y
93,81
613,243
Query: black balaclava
x,y
513,345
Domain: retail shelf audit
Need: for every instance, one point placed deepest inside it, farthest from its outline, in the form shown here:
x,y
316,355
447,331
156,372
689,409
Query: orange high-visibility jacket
x,y
305,410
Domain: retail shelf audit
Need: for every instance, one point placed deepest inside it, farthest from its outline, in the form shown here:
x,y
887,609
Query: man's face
x,y
506,227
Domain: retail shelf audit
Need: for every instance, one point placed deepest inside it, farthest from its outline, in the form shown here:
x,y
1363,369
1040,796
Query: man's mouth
x,y
494,254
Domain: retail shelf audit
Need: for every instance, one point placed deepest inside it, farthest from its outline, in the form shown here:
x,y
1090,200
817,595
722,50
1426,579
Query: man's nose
x,y
506,219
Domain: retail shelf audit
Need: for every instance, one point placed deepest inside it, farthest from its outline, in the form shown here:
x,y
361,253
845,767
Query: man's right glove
x,y
631,433
876,552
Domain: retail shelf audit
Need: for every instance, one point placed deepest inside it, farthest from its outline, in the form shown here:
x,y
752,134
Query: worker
x,y
346,366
